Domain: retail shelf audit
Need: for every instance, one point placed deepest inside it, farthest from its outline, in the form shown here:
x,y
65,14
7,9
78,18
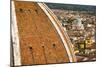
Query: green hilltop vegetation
x,y
72,7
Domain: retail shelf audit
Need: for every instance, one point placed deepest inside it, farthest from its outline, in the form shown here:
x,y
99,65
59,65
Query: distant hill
x,y
72,7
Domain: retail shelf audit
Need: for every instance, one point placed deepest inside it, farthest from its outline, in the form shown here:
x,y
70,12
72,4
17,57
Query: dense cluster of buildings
x,y
81,28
